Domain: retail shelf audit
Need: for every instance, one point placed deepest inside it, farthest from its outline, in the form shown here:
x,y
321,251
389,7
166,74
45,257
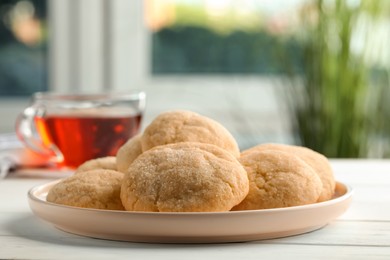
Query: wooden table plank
x,y
343,232
74,248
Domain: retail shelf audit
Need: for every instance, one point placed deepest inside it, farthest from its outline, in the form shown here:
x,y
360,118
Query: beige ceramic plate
x,y
189,227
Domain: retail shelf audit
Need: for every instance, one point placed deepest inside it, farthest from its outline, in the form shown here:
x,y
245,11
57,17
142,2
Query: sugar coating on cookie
x,y
108,163
278,179
98,189
317,161
184,177
186,126
128,153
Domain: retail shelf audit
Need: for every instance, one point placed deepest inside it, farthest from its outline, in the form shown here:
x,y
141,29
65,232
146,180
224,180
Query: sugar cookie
x,y
108,163
99,189
184,177
185,126
317,161
128,153
278,179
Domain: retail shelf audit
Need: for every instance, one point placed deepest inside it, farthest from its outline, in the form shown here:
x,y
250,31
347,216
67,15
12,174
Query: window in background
x,y
221,37
23,47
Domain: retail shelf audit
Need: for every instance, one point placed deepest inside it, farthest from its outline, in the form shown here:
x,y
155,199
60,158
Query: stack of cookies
x,y
186,162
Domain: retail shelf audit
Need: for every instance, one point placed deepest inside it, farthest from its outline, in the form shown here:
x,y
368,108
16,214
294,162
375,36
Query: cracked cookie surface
x,y
184,177
317,161
98,189
186,126
278,179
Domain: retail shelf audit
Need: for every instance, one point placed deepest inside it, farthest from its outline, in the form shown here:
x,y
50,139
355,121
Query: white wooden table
x,y
363,232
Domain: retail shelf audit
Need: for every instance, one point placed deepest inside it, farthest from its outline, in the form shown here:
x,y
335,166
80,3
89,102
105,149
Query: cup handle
x,y
26,130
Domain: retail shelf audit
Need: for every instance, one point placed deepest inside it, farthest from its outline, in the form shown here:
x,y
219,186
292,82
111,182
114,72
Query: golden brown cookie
x,y
278,179
185,126
108,163
98,189
317,161
128,153
184,177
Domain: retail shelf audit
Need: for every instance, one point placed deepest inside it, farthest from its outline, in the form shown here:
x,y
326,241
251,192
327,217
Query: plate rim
x,y
349,191
189,227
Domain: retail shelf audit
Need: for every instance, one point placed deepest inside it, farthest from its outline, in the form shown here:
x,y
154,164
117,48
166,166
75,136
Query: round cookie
x,y
317,161
128,153
185,126
278,179
108,163
184,177
98,189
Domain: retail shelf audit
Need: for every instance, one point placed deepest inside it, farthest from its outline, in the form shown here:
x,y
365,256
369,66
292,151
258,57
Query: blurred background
x,y
307,72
